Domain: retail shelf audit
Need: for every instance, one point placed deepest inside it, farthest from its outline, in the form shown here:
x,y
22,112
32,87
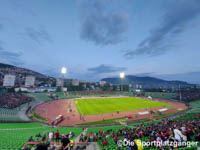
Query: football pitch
x,y
95,106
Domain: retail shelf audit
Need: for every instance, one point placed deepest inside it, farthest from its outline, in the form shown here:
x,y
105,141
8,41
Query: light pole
x,y
63,72
180,92
122,75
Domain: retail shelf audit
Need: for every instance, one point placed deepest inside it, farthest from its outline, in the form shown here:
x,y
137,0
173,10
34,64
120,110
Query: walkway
x,y
91,145
22,114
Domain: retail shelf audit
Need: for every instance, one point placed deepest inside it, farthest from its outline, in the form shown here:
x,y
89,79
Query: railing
x,y
34,143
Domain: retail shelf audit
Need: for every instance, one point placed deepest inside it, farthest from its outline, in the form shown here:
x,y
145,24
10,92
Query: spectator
x,y
104,143
71,144
65,143
11,101
30,139
57,135
42,146
178,135
51,136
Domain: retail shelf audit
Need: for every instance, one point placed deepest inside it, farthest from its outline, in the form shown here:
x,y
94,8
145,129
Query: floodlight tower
x,y
122,75
63,71
180,96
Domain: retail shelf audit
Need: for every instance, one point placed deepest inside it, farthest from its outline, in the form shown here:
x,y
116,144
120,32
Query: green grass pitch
x,y
96,106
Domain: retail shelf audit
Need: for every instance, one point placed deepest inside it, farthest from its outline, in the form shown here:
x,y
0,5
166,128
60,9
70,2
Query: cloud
x,y
101,25
174,22
38,35
105,69
11,57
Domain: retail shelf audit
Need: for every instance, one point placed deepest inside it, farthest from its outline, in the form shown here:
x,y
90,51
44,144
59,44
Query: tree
x,y
58,89
106,87
11,90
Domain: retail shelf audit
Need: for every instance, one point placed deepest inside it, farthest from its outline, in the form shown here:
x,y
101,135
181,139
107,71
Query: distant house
x,y
48,89
102,83
38,89
22,89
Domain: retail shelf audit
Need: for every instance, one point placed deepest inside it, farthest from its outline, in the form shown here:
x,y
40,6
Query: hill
x,y
21,73
147,82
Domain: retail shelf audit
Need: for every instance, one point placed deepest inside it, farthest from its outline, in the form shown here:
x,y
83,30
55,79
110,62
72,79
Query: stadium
x,y
88,117
99,75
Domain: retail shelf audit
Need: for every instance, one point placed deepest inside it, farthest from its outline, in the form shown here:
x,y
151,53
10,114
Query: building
x,y
92,87
38,89
9,80
84,85
82,81
102,83
59,82
22,89
29,81
75,82
48,89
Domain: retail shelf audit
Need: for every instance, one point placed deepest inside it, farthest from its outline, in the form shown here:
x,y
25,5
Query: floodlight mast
x,y
63,71
122,75
180,95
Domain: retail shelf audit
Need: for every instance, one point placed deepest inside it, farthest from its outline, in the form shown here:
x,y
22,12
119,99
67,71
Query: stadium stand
x,y
9,115
162,131
61,95
11,101
11,105
161,95
39,96
17,134
188,96
107,137
195,106
98,93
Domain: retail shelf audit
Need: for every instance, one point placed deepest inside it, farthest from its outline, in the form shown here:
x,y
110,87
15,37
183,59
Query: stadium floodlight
x,y
64,70
122,75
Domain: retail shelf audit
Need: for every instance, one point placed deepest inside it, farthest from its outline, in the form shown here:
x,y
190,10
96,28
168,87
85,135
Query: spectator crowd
x,y
52,141
164,131
11,101
188,96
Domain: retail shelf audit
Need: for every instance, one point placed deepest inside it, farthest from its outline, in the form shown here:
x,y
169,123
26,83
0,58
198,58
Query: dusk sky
x,y
101,38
